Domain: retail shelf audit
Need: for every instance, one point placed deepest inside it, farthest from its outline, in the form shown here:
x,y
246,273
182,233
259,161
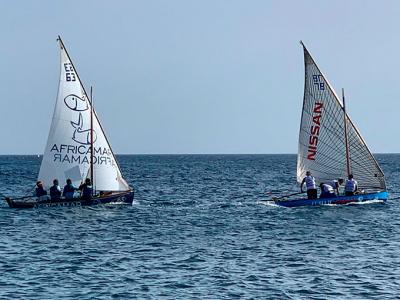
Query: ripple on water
x,y
198,230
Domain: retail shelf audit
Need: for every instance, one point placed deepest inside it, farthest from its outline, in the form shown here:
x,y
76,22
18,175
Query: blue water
x,y
197,231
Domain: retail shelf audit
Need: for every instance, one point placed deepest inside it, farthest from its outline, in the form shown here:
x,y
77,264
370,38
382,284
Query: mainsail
x,y
322,138
68,149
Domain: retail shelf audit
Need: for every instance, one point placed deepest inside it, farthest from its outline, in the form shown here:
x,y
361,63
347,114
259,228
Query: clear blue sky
x,y
199,76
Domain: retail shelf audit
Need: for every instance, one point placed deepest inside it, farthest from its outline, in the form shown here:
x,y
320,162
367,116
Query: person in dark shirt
x,y
40,191
55,191
69,190
86,189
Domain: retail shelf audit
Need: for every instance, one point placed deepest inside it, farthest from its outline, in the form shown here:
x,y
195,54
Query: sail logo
x,y
73,154
81,133
76,103
318,80
314,131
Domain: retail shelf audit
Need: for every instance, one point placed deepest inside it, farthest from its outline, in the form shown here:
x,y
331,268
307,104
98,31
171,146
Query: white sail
x,y
67,153
322,139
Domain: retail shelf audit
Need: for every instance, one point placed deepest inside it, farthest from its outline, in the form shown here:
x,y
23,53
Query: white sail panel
x,y
322,143
67,152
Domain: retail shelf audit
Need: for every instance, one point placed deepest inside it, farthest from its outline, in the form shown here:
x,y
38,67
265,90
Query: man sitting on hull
x,y
86,189
55,191
69,190
40,192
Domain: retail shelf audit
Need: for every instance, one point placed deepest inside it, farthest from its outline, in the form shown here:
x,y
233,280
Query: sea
x,y
198,229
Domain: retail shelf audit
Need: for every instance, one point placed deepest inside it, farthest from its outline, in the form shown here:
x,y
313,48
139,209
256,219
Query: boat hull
x,y
120,197
378,196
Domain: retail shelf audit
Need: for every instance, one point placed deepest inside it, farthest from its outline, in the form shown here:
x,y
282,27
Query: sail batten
x,y
68,148
322,136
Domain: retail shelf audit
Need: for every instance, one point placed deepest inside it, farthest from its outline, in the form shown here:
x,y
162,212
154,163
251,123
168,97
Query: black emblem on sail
x,y
81,134
76,103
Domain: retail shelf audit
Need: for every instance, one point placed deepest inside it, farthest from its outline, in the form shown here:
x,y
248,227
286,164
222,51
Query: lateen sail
x,y
322,143
67,153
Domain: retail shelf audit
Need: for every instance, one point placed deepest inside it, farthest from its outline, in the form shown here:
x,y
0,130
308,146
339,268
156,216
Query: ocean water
x,y
197,230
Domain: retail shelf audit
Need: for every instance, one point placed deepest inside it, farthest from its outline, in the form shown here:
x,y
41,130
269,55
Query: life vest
x,y
310,183
350,186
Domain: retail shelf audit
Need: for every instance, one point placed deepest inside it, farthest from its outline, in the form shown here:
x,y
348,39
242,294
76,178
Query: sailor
x,y
351,186
40,192
55,191
86,189
335,184
310,185
69,190
327,191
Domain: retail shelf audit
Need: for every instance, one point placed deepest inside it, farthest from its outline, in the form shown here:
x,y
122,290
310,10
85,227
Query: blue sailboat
x,y
330,145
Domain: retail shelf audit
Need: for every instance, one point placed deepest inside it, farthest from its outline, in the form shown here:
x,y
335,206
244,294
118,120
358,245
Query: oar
x,y
281,197
20,198
25,197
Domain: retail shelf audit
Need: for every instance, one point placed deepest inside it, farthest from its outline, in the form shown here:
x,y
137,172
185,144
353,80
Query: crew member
x,y
335,184
326,191
310,186
40,192
86,189
55,191
351,186
69,190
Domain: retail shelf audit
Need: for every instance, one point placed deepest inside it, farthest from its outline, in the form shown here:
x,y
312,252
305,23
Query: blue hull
x,y
120,197
381,196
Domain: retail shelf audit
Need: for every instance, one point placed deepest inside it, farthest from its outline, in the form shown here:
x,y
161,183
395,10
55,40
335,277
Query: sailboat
x,y
77,148
330,145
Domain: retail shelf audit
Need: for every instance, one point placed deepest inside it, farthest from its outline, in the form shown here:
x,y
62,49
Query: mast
x,y
346,135
91,139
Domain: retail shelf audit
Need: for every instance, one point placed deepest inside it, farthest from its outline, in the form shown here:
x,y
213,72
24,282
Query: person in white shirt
x,y
351,186
327,191
310,186
335,184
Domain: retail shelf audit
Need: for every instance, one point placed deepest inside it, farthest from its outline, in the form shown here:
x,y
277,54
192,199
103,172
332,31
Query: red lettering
x,y
314,131
311,154
317,119
318,107
313,140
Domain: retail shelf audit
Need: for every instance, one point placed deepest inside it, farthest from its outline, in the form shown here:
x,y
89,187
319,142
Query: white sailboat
x,y
77,147
330,145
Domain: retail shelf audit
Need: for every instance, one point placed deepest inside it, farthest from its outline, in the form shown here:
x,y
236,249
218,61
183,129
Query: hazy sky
x,y
199,76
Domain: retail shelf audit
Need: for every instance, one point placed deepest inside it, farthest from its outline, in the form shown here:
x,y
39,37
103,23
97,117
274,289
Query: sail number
x,y
69,72
319,81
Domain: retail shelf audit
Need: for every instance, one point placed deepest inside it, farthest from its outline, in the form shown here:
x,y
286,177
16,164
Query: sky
x,y
193,77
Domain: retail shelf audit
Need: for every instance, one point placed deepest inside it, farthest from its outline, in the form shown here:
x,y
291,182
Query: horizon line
x,y
194,154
